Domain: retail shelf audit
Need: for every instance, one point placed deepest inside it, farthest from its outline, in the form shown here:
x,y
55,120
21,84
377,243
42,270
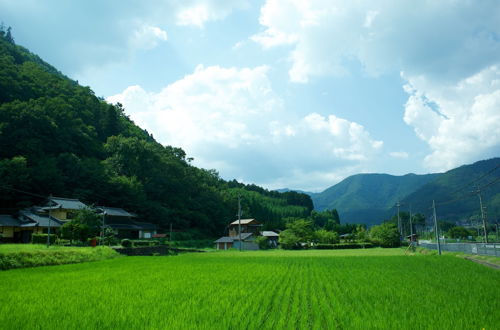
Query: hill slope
x,y
370,198
58,138
367,198
454,192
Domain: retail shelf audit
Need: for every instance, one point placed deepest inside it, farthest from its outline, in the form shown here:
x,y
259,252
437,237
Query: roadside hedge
x,y
343,246
54,256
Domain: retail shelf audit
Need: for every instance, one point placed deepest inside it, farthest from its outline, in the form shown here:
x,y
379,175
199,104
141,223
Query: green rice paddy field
x,y
349,289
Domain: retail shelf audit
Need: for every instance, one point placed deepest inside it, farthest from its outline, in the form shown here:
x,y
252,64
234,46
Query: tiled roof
x,y
224,239
115,211
32,219
244,236
67,203
8,221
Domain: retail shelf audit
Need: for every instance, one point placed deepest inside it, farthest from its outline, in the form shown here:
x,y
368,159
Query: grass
x,y
328,289
33,255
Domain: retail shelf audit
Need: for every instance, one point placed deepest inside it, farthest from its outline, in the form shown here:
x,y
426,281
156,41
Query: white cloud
x,y
399,154
147,37
460,121
232,120
197,13
448,50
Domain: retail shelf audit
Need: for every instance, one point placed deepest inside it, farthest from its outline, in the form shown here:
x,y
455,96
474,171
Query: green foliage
x,y
262,242
385,235
288,240
459,232
75,231
302,228
343,246
40,255
42,238
126,243
323,236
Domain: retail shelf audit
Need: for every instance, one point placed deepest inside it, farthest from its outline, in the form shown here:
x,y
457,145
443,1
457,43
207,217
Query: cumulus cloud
x,y
147,37
399,154
448,51
197,13
232,120
460,121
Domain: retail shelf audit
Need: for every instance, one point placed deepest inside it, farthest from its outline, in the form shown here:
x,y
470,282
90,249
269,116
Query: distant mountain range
x,y
371,198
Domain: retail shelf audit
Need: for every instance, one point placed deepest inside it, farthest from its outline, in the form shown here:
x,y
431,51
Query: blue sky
x,y
281,93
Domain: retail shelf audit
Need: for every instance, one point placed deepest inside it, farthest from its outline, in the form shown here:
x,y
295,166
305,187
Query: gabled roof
x,y
246,222
9,221
270,234
224,239
65,203
244,236
132,225
115,211
30,219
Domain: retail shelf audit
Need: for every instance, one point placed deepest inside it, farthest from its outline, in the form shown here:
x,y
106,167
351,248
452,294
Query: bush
x,y
385,235
138,243
54,256
42,238
262,242
126,243
288,240
344,246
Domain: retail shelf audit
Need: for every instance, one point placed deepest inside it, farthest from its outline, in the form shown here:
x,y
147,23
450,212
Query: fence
x,y
471,248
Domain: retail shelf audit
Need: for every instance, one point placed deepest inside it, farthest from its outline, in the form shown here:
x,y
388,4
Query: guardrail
x,y
484,249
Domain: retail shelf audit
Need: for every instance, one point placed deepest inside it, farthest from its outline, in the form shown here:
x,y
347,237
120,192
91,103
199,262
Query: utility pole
x,y
399,221
411,226
436,227
482,215
239,219
48,230
102,229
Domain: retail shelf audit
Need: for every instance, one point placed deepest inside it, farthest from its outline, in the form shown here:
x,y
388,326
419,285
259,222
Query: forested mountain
x,y
370,198
455,192
58,138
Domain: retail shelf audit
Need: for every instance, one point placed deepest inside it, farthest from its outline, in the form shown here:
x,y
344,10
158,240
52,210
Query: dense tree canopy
x,y
58,138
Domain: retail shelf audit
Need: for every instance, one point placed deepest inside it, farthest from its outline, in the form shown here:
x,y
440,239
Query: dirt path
x,y
482,262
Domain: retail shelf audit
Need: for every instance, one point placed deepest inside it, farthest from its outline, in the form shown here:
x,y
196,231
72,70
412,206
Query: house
x,y
247,226
124,225
29,221
272,238
8,227
227,242
63,209
250,230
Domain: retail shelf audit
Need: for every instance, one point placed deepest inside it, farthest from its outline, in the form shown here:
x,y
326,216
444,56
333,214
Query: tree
x,y
90,219
288,240
262,242
302,229
459,232
326,237
75,231
386,235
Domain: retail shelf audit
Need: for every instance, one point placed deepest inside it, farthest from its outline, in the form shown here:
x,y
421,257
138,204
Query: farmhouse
x,y
250,230
63,209
124,225
29,221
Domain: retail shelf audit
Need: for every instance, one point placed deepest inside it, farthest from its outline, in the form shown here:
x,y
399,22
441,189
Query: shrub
x,y
343,246
262,242
385,235
126,243
42,238
138,243
288,240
